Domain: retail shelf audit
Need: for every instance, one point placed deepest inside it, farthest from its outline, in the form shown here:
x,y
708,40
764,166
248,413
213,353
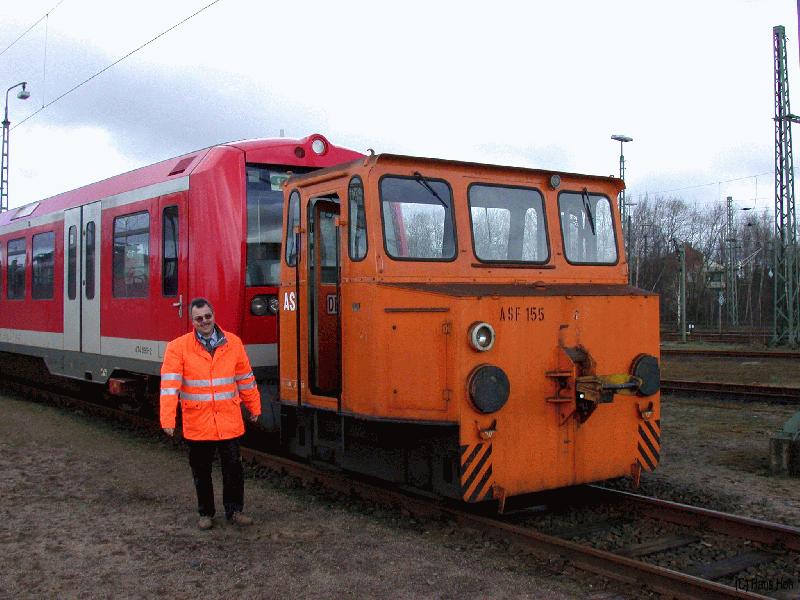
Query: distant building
x,y
715,276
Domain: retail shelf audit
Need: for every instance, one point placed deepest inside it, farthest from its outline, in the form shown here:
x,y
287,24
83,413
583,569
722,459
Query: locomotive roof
x,y
402,159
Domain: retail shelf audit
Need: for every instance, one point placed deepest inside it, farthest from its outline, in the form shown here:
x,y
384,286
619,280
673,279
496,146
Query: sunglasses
x,y
205,317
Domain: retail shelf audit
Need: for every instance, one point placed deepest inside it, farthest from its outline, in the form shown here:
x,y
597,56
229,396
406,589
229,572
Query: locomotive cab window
x,y
326,248
131,274
43,265
508,224
417,215
15,286
357,233
292,221
264,218
587,228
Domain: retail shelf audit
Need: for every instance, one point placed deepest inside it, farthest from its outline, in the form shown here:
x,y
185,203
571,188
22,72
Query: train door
x,y
72,277
324,363
90,283
172,300
81,279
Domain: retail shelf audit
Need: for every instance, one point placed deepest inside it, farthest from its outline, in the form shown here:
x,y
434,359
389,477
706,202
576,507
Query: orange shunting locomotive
x,y
463,328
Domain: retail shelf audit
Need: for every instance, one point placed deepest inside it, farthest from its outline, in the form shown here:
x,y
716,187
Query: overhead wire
x,y
42,18
694,187
116,62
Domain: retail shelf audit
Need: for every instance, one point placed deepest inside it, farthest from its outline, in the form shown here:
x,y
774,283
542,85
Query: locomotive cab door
x,y
324,327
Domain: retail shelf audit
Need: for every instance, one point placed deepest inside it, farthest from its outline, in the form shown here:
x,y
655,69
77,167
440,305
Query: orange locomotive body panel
x,y
469,325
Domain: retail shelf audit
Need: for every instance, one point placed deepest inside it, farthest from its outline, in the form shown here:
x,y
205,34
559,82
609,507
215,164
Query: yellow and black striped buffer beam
x,y
476,472
649,444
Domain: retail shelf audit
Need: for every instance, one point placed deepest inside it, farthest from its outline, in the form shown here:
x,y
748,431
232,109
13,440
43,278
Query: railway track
x,y
664,527
732,391
712,352
725,337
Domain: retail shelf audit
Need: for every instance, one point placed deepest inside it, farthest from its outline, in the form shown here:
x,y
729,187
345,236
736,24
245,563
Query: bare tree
x,y
660,225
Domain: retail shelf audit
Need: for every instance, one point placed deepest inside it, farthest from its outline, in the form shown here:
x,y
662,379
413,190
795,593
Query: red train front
x,y
96,281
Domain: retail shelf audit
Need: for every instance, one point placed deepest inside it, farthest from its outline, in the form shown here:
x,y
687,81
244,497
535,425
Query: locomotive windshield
x,y
264,217
417,218
508,224
587,228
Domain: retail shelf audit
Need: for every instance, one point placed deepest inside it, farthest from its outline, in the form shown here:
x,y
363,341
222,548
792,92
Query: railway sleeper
x,y
661,544
730,566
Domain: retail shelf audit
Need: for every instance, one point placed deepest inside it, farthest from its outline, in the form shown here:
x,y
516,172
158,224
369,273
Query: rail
x,y
732,391
713,352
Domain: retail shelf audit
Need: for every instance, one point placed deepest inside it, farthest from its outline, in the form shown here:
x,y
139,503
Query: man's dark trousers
x,y
201,456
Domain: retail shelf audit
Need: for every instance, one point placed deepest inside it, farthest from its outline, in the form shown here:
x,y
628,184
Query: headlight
x,y
318,146
262,305
645,367
481,336
488,388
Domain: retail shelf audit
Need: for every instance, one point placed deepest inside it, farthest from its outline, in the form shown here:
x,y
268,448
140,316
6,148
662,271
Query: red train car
x,y
97,280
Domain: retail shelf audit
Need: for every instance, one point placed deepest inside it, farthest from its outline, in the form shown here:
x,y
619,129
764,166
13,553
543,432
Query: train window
x,y
329,260
292,221
89,260
264,219
169,252
357,234
417,218
131,260
72,262
587,228
508,224
15,286
43,265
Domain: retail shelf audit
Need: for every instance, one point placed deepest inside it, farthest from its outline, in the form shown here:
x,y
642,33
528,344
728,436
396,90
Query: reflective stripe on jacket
x,y
210,389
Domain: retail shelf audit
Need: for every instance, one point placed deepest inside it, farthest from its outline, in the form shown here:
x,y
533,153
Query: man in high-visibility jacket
x,y
209,371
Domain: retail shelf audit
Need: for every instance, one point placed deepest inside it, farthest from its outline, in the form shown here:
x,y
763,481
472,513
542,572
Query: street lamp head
x,y
23,94
621,138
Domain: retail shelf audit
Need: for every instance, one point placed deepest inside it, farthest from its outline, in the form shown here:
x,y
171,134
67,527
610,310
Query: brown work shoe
x,y
205,523
238,518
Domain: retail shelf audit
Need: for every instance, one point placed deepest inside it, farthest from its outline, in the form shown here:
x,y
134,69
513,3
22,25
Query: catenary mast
x,y
786,310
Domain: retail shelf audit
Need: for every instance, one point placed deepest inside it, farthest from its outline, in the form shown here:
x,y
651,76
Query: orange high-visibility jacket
x,y
210,388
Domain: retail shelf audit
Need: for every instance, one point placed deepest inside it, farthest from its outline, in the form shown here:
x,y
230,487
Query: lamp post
x,y
625,218
23,94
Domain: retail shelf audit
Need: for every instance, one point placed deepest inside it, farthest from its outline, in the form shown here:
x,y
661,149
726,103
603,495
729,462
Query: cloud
x,y
540,85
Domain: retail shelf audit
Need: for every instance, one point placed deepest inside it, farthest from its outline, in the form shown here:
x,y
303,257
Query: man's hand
x,y
252,418
170,431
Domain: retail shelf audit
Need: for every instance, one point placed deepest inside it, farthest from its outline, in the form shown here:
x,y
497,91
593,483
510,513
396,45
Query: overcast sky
x,y
543,86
